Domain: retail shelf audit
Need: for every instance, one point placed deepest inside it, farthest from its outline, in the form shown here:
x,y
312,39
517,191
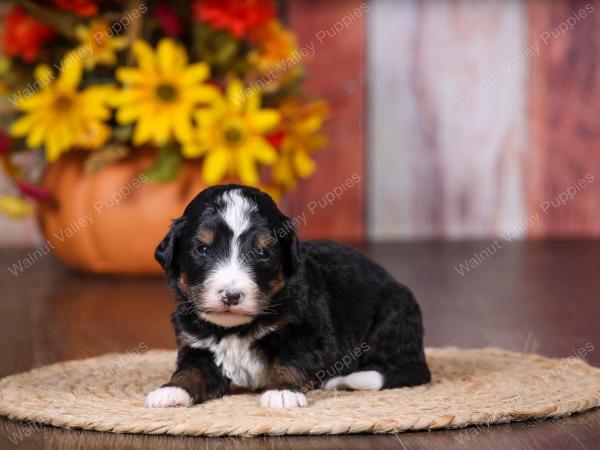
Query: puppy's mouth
x,y
227,316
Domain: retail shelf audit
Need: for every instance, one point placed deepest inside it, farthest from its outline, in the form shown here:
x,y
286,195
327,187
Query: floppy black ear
x,y
166,248
293,254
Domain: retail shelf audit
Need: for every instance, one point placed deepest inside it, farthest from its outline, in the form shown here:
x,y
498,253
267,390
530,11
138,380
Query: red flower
x,y
23,35
83,8
36,192
237,16
276,138
169,20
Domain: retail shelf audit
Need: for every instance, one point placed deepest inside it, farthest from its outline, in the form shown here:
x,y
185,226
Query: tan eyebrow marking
x,y
184,285
206,236
277,284
264,240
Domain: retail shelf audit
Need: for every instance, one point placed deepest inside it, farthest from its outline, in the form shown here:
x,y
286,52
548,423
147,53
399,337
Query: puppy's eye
x,y
203,249
262,253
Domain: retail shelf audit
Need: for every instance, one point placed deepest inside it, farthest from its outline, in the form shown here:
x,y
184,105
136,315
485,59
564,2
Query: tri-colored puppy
x,y
266,312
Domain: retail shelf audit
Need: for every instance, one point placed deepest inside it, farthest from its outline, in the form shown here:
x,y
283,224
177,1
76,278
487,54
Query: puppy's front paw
x,y
168,397
283,399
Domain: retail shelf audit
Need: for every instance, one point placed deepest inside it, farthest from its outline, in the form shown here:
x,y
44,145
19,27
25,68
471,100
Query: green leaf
x,y
166,166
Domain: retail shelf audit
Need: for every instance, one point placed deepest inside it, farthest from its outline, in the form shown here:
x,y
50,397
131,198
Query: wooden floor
x,y
538,296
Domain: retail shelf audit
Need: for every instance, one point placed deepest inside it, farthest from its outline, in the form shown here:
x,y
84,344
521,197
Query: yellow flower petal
x,y
207,95
15,207
43,74
143,130
236,95
161,129
128,114
264,120
193,149
216,165
21,126
70,76
183,130
129,75
144,55
304,165
196,73
263,151
247,170
36,136
171,57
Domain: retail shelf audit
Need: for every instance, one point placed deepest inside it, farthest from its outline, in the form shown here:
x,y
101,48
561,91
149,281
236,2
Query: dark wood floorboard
x,y
529,296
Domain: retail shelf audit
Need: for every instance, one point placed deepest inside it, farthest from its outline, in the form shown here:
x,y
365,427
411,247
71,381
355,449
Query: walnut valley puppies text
x,y
519,229
77,224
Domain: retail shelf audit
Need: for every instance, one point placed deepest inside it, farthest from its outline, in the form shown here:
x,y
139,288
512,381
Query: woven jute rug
x,y
483,386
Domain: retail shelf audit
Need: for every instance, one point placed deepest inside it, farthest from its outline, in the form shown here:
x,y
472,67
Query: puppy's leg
x,y
196,379
396,340
285,388
395,356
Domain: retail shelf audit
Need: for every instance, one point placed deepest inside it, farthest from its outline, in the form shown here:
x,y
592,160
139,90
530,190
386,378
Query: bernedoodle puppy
x,y
262,310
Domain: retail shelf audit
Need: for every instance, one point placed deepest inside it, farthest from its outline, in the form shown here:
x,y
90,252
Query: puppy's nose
x,y
231,297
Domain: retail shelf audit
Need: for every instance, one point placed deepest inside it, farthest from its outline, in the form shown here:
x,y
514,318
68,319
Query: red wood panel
x,y
563,179
331,202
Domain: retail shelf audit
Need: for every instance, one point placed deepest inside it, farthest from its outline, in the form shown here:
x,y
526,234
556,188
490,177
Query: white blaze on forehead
x,y
232,271
236,215
236,211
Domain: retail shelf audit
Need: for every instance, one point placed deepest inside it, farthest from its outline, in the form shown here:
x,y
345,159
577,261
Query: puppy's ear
x,y
165,250
291,248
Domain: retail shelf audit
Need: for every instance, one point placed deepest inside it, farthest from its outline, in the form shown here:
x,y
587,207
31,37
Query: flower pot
x,y
110,221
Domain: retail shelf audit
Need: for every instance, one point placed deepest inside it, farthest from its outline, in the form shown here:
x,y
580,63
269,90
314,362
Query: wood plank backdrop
x,y
335,72
447,118
484,119
564,97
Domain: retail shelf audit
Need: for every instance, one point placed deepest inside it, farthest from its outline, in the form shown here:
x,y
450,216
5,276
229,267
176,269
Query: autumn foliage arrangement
x,y
214,81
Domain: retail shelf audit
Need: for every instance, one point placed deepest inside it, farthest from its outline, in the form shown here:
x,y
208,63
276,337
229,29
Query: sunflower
x,y
162,93
231,134
302,128
97,44
60,116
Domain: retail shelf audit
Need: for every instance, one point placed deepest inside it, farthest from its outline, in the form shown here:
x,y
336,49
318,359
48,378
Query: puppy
x,y
261,310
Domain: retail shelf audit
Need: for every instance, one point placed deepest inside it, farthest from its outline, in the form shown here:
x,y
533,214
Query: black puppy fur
x,y
317,302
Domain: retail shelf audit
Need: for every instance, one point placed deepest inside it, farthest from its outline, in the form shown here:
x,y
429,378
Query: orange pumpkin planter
x,y
111,221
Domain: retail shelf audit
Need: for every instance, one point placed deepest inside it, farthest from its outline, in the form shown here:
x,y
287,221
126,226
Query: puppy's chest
x,y
238,359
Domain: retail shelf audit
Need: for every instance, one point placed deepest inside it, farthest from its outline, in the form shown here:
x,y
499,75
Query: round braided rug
x,y
468,387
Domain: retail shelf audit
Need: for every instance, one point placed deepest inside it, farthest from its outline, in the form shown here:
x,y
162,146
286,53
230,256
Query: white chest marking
x,y
237,359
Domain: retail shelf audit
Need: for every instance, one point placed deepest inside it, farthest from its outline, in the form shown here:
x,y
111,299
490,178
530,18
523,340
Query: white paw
x,y
283,399
367,380
333,383
168,397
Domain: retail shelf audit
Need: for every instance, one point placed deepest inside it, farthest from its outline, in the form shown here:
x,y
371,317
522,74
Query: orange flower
x,y
83,8
303,134
23,35
275,44
239,17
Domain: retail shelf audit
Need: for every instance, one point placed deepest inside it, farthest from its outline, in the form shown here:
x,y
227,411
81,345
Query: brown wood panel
x,y
334,35
564,97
